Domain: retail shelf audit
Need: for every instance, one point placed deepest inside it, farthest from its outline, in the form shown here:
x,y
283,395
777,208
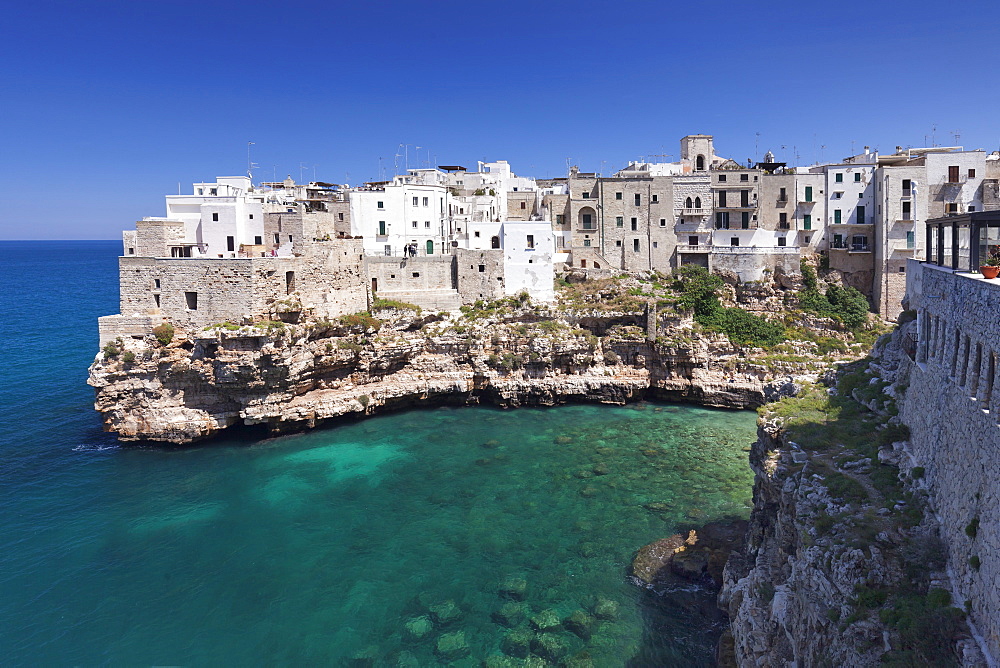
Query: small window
x,y
857,177
475,234
692,241
215,217
722,178
586,195
427,224
482,269
618,195
860,195
655,244
972,208
414,223
638,199
531,241
656,199
230,243
838,177
289,238
972,173
426,201
663,222
340,216
416,274
415,201
156,298
258,241
192,300
618,242
277,239
131,251
734,241
462,210
391,275
782,241
523,206
156,284
381,228
251,216
744,177
619,221
635,245
560,219
902,269
635,224
201,191
213,191
808,239
586,242
782,195
381,205
783,221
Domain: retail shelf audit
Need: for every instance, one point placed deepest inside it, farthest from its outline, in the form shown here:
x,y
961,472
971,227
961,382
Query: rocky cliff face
x,y
843,564
294,376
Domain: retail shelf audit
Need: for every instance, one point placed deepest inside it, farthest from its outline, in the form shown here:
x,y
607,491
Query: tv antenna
x,y
957,134
250,165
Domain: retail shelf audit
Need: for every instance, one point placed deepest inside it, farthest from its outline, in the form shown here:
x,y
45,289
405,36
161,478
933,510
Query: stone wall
x,y
480,274
951,405
751,265
154,237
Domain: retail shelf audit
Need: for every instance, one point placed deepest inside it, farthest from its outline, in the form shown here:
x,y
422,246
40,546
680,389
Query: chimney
x,y
867,150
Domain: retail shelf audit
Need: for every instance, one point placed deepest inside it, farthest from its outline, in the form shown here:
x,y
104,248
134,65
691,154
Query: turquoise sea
x,y
370,543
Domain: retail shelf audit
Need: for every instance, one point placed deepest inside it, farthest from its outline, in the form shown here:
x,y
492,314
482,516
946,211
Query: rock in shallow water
x,y
517,643
418,627
510,614
446,612
452,646
549,646
605,608
513,587
546,621
580,623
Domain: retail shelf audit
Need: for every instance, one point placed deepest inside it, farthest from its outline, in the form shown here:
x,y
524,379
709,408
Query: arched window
x,y
494,242
697,202
687,203
699,163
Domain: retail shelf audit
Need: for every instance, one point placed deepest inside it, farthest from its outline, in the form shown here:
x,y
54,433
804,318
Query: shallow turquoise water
x,y
311,549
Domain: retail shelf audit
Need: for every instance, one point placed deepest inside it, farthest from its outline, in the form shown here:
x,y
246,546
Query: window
x,y
482,269
807,222
494,242
971,209
861,215
663,222
416,274
522,205
808,239
381,227
734,241
809,194
699,163
688,204
951,207
156,299
619,221
635,224
744,198
277,239
745,220
618,195
656,199
414,224
697,202
191,298
427,224
907,186
531,241
461,210
902,268
860,195
838,177
258,241
907,214
837,217
586,195
693,241
618,242
588,221
131,251
560,219
744,177
857,177
635,245
783,221
476,233
201,191
972,173
655,244
289,238
381,205
213,191
721,220
230,243
722,178
782,241
638,199
289,282
586,242
251,216
722,198
953,174
415,200
909,239
426,201
215,217
782,195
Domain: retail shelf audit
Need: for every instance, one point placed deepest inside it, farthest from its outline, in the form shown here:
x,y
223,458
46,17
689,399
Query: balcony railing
x,y
851,246
785,250
693,212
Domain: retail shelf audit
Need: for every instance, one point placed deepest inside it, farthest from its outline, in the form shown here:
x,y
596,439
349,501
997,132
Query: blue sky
x,y
106,106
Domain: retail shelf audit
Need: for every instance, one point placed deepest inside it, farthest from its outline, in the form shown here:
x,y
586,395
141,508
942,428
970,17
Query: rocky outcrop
x,y
291,377
843,563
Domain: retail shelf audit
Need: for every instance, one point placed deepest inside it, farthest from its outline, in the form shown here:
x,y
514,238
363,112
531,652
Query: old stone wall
x,y
154,237
754,266
480,274
952,404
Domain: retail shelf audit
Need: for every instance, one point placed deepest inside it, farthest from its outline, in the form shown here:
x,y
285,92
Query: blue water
x,y
319,548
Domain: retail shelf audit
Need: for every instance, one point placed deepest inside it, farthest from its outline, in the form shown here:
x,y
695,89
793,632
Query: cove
x,y
374,542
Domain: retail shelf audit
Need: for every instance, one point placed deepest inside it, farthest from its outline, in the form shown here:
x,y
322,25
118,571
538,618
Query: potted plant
x,y
991,267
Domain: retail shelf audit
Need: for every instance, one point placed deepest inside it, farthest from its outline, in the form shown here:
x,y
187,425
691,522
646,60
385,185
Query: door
x,y
809,193
861,215
430,247
374,285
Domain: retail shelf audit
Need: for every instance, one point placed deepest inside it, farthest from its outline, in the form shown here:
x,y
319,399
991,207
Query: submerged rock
x,y
549,646
546,621
517,643
579,660
513,587
418,627
445,612
510,614
452,646
580,623
605,608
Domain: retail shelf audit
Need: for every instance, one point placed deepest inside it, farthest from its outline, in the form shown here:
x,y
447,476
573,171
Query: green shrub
x,y
974,561
380,303
364,400
111,351
128,357
349,345
917,472
866,596
164,333
363,320
611,357
972,528
847,305
845,488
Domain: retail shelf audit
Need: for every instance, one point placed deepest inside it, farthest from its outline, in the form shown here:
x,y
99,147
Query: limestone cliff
x,y
293,376
843,563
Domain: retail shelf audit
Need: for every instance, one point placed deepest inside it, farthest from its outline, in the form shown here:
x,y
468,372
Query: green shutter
x,y
809,193
909,239
836,216
861,215
807,222
381,227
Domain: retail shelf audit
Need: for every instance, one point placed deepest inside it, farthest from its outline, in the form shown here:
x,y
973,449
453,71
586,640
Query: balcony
x,y
688,213
688,248
759,250
750,206
851,224
806,202
851,246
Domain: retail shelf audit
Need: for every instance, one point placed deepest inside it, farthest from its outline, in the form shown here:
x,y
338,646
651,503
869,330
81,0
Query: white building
x,y
528,257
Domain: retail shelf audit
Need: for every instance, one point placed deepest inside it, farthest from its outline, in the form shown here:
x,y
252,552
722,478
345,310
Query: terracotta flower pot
x,y
989,272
